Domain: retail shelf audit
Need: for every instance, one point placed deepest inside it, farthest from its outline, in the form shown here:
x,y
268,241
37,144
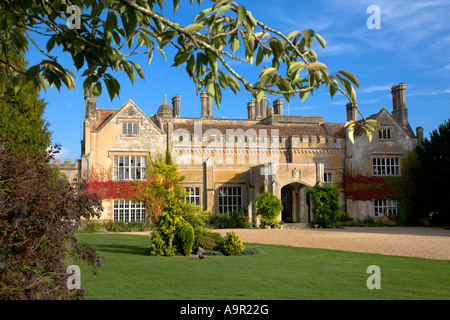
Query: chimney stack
x,y
176,103
91,104
204,103
251,110
278,107
419,134
352,113
262,106
399,110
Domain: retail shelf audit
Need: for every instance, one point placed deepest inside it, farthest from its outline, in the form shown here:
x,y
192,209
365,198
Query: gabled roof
x,y
105,115
407,129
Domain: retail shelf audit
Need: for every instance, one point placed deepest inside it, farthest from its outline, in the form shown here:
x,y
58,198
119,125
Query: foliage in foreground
x,y
102,38
38,216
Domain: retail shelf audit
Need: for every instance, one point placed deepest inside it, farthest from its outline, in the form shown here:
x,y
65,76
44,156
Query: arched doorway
x,y
286,201
293,199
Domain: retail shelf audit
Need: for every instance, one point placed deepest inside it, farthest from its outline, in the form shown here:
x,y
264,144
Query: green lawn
x,y
277,273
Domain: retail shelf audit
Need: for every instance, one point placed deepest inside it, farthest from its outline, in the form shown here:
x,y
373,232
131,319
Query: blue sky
x,y
412,46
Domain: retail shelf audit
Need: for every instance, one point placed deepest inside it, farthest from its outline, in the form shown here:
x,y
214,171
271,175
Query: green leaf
x,y
194,27
307,35
317,66
348,87
322,42
292,34
333,87
242,13
350,76
138,69
97,90
51,43
175,5
42,81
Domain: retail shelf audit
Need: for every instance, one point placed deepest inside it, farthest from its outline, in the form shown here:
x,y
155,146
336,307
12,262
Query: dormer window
x,y
384,134
129,128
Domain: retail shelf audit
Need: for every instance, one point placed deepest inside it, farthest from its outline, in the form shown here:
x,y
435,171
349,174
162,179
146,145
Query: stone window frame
x,y
389,133
381,164
194,198
128,211
128,167
330,175
239,197
384,207
128,122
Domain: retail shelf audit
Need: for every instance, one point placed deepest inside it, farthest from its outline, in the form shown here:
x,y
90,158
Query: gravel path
x,y
424,242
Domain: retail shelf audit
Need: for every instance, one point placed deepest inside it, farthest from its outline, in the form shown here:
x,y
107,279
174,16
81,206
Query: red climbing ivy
x,y
365,188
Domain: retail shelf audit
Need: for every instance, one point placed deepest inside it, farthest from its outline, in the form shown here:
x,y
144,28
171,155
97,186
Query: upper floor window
x,y
130,168
386,166
129,128
384,134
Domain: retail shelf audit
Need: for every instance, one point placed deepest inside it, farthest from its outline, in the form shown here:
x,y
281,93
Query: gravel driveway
x,y
424,242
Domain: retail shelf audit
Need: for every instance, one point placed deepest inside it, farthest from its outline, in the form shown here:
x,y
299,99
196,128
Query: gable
x,y
129,110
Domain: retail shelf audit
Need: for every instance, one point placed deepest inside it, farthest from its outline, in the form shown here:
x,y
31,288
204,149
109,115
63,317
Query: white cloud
x,y
66,154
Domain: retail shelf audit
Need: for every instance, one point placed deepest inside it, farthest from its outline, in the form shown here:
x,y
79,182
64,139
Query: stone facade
x,y
228,162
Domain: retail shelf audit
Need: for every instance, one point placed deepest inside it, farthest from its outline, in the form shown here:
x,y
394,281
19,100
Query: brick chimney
x,y
399,110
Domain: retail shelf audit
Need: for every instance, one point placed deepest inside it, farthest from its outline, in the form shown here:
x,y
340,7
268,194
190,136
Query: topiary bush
x,y
232,244
186,236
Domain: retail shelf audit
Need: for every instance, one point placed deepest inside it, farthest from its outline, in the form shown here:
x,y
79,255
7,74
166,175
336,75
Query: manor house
x,y
228,162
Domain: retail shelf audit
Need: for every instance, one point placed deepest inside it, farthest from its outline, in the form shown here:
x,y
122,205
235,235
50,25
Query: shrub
x,y
94,226
186,236
208,240
39,213
345,217
326,204
165,240
248,251
220,221
269,208
232,244
207,243
240,219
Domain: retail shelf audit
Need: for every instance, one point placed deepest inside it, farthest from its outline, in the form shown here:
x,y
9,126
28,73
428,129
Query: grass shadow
x,y
122,249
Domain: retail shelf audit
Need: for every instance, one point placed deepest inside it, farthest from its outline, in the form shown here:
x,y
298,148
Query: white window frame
x,y
129,167
128,211
386,166
385,207
230,199
193,195
130,128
